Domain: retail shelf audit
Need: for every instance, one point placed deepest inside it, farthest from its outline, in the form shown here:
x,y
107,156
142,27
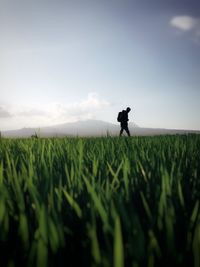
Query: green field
x,y
100,201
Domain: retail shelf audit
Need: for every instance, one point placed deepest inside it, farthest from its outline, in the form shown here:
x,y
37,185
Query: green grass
x,y
100,201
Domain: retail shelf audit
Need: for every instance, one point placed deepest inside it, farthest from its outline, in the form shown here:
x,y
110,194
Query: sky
x,y
68,60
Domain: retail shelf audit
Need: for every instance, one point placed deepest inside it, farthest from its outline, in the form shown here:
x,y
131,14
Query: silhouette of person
x,y
124,121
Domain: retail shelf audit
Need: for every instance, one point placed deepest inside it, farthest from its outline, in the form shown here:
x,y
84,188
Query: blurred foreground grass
x,y
100,201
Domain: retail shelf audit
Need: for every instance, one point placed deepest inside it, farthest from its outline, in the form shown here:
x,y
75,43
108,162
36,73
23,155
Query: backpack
x,y
119,117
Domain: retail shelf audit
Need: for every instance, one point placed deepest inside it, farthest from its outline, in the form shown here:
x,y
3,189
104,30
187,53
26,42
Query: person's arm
x,y
127,117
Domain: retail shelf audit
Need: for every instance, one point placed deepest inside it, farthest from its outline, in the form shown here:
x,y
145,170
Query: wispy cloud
x,y
184,23
4,113
81,110
31,112
187,24
55,113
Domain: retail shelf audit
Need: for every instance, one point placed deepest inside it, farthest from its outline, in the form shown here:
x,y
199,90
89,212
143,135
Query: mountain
x,y
80,128
90,128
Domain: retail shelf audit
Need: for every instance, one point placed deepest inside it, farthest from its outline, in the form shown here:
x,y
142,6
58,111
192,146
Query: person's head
x,y
128,109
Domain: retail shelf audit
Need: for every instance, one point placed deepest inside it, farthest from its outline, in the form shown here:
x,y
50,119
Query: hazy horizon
x,y
65,61
87,124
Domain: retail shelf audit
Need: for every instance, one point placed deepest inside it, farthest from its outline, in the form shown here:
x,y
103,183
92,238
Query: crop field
x,y
100,201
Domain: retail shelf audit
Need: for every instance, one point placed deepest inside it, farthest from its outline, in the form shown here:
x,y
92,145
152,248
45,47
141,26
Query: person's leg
x,y
127,130
121,131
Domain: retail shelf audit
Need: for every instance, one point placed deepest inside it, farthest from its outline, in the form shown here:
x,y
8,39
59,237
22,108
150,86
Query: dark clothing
x,y
124,116
124,123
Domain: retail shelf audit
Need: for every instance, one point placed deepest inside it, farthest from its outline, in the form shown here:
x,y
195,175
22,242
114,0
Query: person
x,y
123,119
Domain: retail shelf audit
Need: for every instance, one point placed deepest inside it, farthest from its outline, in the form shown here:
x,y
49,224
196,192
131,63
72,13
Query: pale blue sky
x,y
64,61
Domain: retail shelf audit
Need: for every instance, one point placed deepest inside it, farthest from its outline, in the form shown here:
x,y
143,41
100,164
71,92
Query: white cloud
x,y
54,113
31,112
184,23
76,110
93,101
4,113
188,24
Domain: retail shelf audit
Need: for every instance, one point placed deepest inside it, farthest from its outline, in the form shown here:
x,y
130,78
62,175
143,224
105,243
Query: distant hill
x,y
90,128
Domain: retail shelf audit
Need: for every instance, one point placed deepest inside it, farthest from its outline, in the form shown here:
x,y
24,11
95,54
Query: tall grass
x,y
100,201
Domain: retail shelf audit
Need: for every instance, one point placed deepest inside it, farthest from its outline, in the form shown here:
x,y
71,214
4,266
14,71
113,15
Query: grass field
x,y
100,201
